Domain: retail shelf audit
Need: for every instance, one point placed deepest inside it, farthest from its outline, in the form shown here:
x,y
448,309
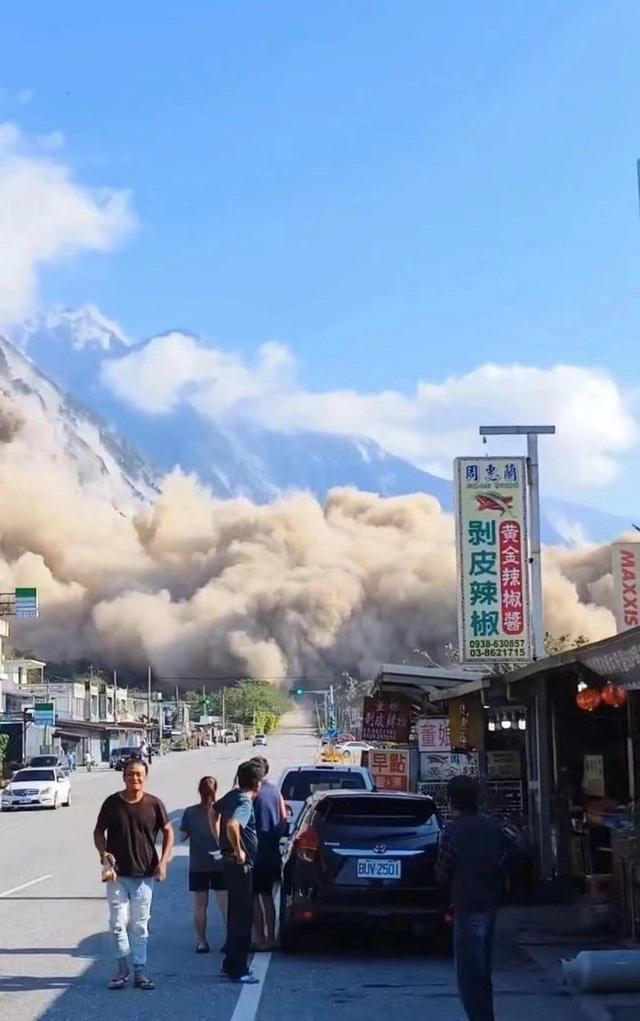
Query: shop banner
x,y
492,542
625,567
433,734
466,721
27,603
435,768
385,718
44,714
390,769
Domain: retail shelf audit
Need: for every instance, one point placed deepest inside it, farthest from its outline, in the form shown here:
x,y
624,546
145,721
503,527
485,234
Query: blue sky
x,y
393,190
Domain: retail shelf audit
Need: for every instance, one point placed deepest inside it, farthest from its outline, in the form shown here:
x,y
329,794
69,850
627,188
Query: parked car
x,y
120,756
357,855
51,761
298,783
37,788
229,737
259,741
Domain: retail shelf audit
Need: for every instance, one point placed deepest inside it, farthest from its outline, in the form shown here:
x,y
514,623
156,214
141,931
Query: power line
x,y
243,677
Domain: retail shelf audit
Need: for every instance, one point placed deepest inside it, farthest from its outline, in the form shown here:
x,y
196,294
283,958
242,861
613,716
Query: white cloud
x,y
46,216
594,421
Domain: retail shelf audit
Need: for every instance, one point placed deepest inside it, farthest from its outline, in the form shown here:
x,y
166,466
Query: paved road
x,y
55,954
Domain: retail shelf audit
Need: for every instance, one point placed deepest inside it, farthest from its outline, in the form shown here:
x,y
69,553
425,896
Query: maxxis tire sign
x,y
494,622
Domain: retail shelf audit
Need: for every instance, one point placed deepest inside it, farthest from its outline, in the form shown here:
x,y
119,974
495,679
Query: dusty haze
x,y
197,586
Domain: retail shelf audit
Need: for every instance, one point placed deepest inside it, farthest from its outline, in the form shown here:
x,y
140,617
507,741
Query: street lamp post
x,y
533,482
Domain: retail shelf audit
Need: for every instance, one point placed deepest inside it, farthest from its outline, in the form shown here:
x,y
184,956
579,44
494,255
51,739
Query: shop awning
x,y
614,659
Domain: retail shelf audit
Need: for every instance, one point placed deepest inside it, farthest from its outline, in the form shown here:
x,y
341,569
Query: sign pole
x,y
537,614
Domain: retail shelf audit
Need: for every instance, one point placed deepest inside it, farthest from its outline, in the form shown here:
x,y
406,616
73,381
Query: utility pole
x,y
115,696
224,712
148,699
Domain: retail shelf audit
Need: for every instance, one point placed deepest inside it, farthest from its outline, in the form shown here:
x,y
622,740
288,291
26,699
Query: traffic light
x,y
296,692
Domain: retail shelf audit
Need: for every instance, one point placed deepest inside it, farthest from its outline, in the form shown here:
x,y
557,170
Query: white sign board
x,y
625,567
494,619
436,768
434,734
593,776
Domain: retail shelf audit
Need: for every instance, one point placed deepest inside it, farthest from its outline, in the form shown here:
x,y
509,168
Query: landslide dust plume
x,y
197,586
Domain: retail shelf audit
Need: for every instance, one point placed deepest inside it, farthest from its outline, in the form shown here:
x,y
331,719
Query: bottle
x,y
109,874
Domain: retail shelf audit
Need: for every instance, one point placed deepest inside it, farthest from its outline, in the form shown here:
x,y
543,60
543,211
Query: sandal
x,y
120,980
142,982
203,948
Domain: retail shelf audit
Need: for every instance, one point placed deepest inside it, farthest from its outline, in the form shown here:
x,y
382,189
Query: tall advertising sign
x,y
625,566
494,618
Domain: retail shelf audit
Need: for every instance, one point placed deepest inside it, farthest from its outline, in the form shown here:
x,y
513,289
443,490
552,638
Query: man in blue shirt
x,y
239,846
271,823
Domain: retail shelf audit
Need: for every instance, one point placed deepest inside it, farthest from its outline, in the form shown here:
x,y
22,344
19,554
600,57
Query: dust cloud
x,y
197,586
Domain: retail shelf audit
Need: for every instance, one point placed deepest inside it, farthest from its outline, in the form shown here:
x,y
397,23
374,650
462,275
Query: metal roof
x,y
424,679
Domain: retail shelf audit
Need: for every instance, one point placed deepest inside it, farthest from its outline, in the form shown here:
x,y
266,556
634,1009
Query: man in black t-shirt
x,y
125,838
471,857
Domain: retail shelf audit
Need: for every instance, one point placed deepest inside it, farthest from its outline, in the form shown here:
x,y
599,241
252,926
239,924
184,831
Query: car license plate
x,y
374,868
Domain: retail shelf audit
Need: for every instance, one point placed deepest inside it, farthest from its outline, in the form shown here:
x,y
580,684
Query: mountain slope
x,y
59,430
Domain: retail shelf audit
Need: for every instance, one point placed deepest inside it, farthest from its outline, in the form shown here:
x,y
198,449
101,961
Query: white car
x,y
298,783
37,788
260,741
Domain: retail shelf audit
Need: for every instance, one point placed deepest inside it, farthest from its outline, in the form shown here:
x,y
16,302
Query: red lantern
x,y
588,699
613,695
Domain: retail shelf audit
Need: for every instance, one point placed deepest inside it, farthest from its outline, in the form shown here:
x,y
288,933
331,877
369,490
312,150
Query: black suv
x,y
120,756
359,855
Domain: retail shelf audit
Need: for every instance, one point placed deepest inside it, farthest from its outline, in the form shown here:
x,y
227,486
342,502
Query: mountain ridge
x,y
69,347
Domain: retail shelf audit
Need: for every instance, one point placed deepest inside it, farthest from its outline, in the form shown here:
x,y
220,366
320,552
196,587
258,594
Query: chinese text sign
x,y
385,718
493,575
433,734
390,769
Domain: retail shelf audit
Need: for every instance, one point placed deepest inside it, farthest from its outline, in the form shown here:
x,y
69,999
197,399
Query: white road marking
x,y
24,886
249,999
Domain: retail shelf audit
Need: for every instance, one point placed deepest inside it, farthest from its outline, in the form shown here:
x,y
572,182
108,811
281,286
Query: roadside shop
x,y
412,736
583,769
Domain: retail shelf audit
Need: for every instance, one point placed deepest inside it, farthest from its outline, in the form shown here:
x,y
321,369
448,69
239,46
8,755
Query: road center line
x,y
249,999
24,886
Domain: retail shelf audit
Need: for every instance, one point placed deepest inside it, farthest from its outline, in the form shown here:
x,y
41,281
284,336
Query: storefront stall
x,y
582,768
414,747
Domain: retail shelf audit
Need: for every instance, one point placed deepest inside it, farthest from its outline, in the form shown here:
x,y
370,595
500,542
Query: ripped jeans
x,y
129,901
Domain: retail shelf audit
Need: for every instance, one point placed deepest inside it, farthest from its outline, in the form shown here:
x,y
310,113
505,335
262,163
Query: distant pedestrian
x,y
125,838
472,851
271,826
200,825
239,843
71,762
88,761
